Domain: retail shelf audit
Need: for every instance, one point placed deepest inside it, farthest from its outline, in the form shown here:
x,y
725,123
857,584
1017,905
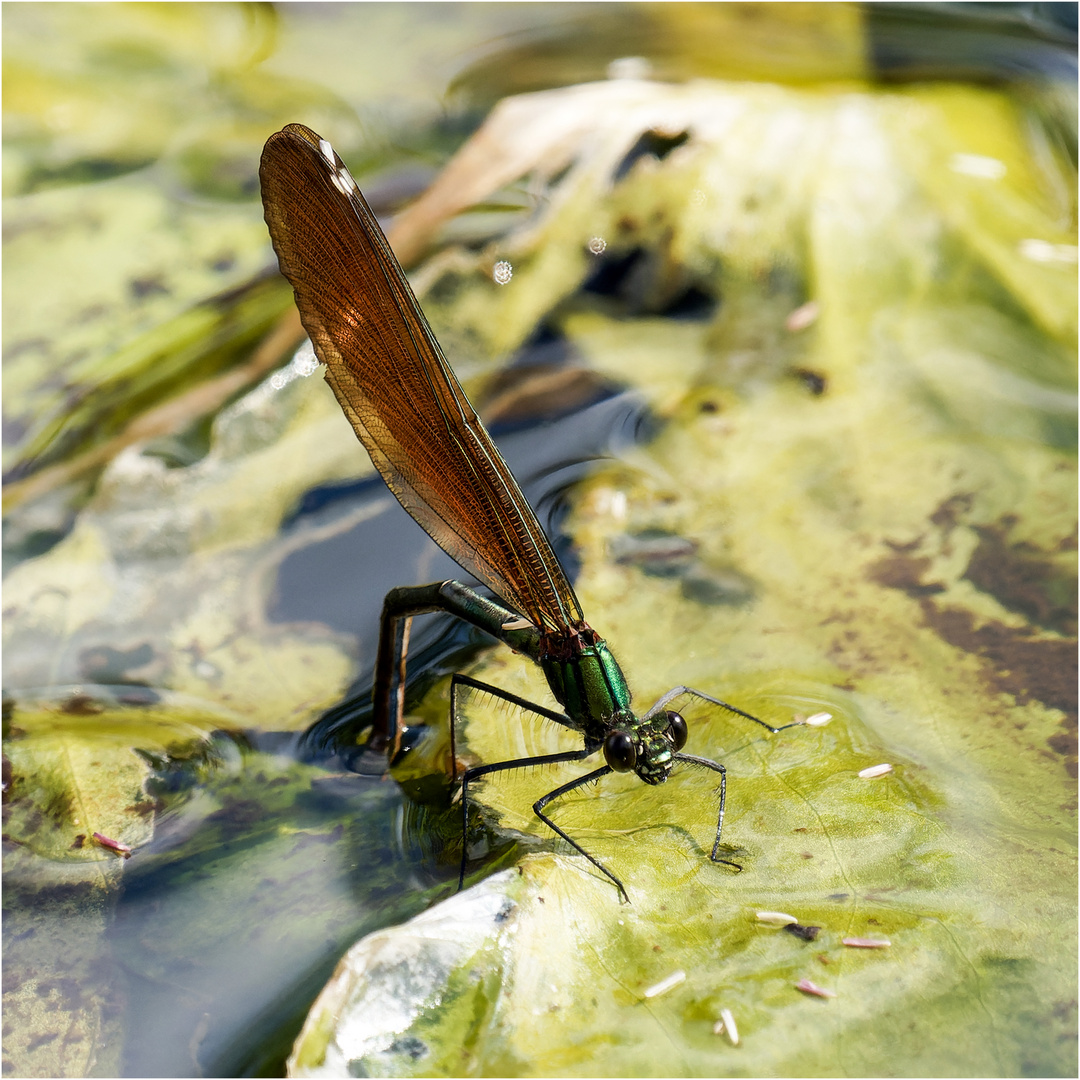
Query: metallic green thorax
x,y
591,688
583,675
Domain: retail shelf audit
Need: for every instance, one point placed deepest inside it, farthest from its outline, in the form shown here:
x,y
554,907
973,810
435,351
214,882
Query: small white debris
x,y
808,987
875,770
629,67
866,943
664,985
327,152
726,1023
819,719
502,272
598,245
802,317
987,168
1042,251
776,918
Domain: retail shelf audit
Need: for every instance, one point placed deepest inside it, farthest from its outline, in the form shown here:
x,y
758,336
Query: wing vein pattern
x,y
394,385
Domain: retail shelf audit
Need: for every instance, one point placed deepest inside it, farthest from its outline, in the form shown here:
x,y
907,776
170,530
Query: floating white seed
x,y
808,987
819,719
866,943
875,770
664,985
986,168
776,918
1043,251
726,1023
802,317
629,67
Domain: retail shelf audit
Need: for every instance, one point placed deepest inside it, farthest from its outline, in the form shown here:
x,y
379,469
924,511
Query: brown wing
x,y
393,383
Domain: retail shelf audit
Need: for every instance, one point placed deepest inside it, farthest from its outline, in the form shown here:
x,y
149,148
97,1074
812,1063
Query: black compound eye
x,y
619,751
677,731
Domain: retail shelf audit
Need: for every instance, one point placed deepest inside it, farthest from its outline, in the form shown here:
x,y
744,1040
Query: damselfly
x,y
407,408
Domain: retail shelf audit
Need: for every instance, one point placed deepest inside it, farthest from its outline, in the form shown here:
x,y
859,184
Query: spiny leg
x,y
678,691
399,607
504,695
388,687
458,681
518,763
692,759
538,810
705,763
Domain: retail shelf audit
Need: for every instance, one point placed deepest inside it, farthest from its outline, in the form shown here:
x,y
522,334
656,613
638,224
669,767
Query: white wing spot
x,y
347,180
327,152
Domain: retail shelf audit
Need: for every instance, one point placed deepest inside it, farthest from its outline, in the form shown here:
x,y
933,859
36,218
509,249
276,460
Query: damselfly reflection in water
x,y
407,408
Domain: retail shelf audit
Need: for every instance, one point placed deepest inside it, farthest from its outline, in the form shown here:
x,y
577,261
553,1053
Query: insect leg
x,y
705,763
458,680
521,763
399,607
388,690
538,810
678,691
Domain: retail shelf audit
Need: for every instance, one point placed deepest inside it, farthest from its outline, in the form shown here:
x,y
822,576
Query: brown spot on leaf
x,y
948,514
1023,582
1023,665
905,573
1018,663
